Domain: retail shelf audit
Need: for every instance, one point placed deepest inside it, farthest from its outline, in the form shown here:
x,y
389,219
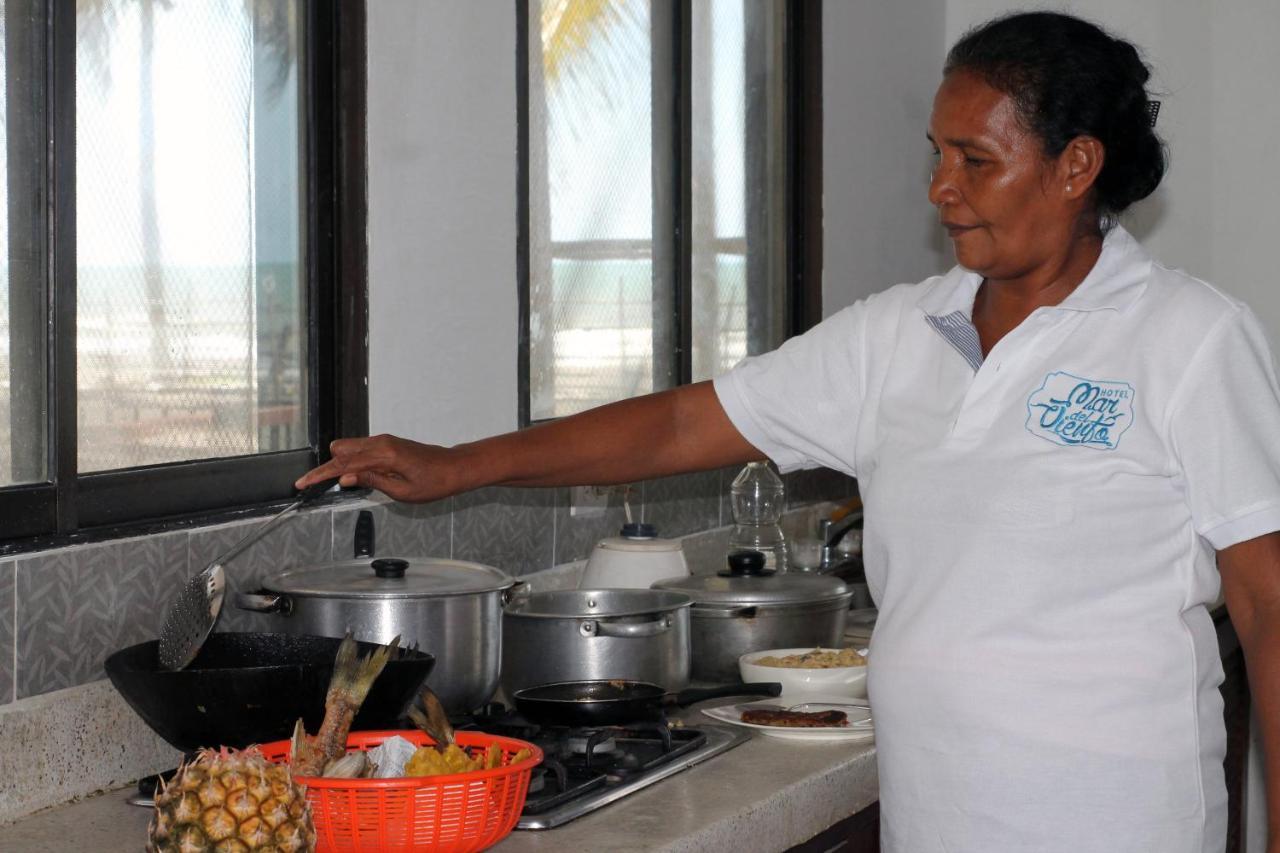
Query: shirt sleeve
x,y
1225,430
799,404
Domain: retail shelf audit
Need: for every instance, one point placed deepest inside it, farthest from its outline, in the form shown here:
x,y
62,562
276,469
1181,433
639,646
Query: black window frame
x,y
70,507
803,183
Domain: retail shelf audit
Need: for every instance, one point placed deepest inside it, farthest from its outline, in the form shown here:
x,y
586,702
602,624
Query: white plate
x,y
859,728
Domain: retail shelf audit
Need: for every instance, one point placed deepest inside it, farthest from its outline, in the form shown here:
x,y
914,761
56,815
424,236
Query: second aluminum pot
x,y
448,608
596,635
748,609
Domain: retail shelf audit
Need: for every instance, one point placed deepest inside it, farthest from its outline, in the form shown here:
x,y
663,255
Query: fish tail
x,y
353,677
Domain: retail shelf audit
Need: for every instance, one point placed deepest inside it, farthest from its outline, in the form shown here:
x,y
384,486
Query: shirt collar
x,y
1117,279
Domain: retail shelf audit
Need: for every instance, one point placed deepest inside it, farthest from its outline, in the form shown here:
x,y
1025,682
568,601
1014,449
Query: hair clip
x,y
1153,110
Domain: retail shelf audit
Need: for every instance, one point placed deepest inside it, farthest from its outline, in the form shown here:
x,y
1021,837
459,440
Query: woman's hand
x,y
402,469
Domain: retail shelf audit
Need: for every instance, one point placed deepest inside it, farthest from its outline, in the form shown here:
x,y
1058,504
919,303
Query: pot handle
x,y
264,602
599,628
757,688
744,610
519,589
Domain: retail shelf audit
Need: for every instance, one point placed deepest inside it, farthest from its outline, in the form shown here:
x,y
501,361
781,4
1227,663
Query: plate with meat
x,y
814,718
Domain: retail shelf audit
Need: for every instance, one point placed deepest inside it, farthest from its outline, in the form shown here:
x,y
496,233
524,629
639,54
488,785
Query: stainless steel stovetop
x,y
584,769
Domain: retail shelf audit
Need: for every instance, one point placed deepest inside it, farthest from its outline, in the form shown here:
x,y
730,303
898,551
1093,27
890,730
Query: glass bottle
x,y
758,496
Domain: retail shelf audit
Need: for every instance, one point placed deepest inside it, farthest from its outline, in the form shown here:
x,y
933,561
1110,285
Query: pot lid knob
x,y
639,530
389,568
745,564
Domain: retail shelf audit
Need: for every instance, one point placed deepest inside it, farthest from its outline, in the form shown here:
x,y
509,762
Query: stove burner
x,y
594,743
586,768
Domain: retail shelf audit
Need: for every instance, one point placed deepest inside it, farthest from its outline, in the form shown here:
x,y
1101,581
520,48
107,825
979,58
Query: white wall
x,y
442,218
881,65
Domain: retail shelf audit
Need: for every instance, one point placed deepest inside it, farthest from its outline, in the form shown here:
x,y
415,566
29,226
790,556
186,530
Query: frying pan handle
x,y
600,628
264,603
699,694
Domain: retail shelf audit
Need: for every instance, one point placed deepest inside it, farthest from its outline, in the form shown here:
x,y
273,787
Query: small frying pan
x,y
612,703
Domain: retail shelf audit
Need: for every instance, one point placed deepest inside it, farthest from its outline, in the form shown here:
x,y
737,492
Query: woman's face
x,y
1000,199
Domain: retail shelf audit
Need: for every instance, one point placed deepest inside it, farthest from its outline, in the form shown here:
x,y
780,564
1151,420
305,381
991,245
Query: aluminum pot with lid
x,y
746,608
596,635
448,608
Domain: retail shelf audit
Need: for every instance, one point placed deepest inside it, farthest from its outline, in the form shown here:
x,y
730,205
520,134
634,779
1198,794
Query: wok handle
x,y
264,603
600,628
699,694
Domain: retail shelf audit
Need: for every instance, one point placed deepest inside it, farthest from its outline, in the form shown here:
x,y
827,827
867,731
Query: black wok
x,y
246,688
612,703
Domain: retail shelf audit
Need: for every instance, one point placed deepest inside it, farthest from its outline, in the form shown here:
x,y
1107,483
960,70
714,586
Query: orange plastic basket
x,y
457,813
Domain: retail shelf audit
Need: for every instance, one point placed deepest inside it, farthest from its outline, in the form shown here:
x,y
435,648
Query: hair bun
x,y
1069,78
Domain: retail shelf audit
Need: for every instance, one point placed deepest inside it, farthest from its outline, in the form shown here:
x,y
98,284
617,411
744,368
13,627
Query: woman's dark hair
x,y
1069,78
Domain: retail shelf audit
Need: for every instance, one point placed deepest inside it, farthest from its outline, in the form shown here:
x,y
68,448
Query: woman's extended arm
x,y
1251,581
684,429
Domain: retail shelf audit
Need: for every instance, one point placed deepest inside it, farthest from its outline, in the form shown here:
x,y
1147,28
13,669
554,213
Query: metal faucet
x,y
831,533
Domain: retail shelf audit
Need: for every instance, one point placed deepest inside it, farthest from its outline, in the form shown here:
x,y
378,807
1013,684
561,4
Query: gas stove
x,y
584,769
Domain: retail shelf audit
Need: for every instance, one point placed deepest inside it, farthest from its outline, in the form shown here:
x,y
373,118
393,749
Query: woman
x,y
1055,442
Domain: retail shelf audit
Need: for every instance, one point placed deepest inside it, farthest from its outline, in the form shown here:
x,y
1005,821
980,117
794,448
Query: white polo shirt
x,y
1040,536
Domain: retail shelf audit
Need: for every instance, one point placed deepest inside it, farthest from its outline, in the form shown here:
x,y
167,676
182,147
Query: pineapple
x,y
231,801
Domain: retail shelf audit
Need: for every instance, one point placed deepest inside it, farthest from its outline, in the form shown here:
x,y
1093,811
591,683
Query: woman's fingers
x,y
320,472
401,469
350,457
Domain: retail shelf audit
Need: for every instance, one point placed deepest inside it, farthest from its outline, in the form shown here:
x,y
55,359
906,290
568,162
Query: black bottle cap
x,y
639,530
745,564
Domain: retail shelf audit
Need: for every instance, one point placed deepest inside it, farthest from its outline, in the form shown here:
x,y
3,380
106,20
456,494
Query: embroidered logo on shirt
x,y
1080,412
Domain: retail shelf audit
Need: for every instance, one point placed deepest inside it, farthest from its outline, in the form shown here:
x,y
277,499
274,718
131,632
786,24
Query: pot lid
x,y
390,577
745,583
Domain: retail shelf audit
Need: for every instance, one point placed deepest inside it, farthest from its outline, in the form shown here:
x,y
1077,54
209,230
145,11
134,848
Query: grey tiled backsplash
x,y
63,612
818,484
512,529
78,605
7,629
680,505
576,535
402,530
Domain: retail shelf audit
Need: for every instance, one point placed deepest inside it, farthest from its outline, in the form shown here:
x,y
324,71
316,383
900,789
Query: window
x,y
170,337
661,192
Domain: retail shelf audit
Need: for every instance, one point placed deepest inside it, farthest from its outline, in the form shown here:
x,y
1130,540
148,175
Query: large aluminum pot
x,y
596,635
748,609
447,608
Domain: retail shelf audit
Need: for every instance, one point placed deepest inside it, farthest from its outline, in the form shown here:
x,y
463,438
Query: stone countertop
x,y
765,795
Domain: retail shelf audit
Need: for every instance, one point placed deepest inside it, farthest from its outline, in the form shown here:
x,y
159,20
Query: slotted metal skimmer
x,y
194,612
